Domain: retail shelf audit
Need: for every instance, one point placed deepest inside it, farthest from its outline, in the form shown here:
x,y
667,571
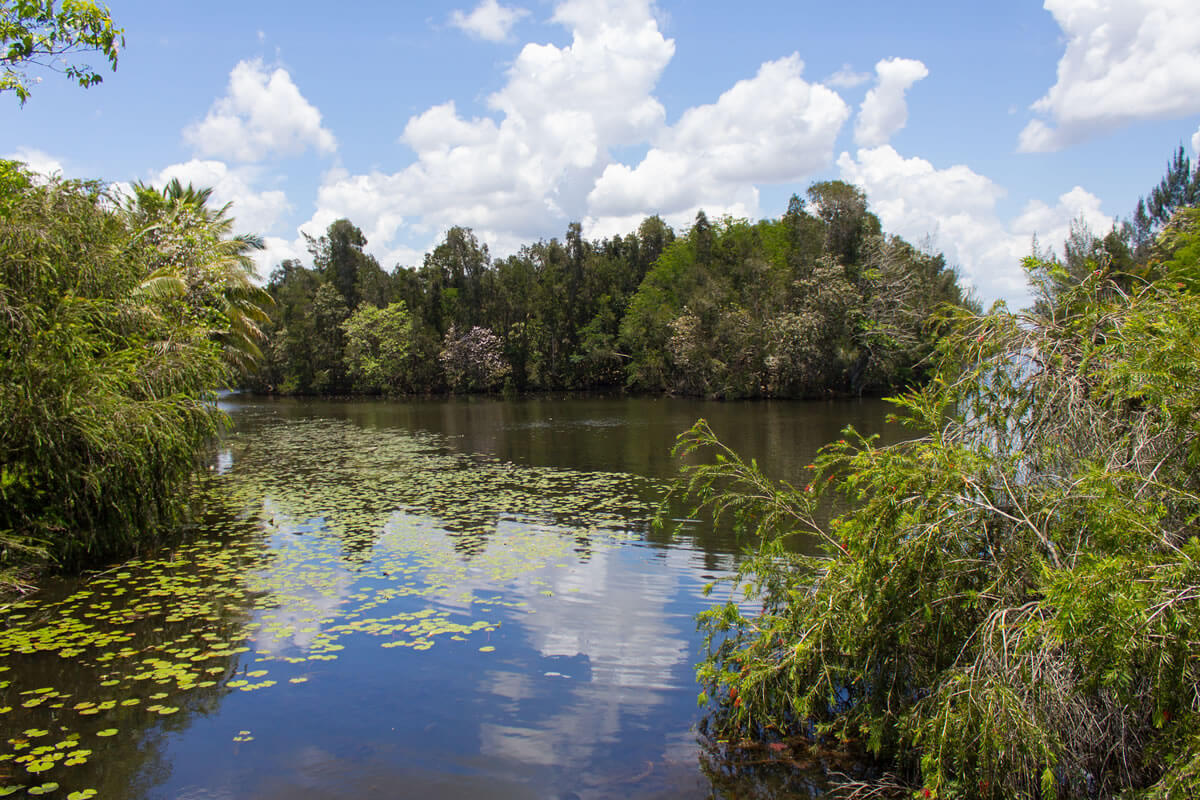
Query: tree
x,y
328,343
1179,188
474,360
106,378
339,257
378,348
34,34
843,209
455,272
1008,604
195,248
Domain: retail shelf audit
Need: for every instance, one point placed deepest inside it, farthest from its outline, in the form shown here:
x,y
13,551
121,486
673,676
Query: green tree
x,y
455,270
106,378
378,345
196,249
1179,188
338,256
1009,605
328,341
33,33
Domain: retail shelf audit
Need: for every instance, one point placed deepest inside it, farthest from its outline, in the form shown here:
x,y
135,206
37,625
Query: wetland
x,y
435,598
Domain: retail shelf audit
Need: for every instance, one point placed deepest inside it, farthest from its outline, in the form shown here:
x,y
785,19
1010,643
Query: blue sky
x,y
974,124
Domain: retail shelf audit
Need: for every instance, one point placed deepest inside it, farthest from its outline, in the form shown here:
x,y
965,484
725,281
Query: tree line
x,y
817,303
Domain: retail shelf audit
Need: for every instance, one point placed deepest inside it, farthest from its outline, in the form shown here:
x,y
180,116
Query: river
x,y
431,598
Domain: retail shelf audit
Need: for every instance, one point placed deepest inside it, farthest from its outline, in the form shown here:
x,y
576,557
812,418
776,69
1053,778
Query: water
x,y
382,599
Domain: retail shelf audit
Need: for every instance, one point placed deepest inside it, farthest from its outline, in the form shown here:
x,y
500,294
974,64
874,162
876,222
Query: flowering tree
x,y
473,361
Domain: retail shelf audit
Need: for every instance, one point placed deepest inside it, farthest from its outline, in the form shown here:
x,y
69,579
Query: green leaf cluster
x,y
117,329
1007,605
43,33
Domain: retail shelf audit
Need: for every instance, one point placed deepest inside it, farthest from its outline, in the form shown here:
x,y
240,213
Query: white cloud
x,y
254,211
1125,60
511,178
772,128
1196,142
884,111
847,78
277,250
957,208
490,20
37,160
262,115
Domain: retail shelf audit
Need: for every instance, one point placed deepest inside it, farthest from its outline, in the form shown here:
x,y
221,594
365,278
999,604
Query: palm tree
x,y
201,260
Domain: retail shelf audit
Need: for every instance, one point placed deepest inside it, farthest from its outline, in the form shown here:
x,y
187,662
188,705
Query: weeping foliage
x,y
1010,606
108,361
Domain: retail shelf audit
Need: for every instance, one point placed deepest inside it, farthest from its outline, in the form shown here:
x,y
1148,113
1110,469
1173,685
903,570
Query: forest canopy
x,y
817,303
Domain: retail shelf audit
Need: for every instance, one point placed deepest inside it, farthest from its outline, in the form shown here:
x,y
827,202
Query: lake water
x,y
435,599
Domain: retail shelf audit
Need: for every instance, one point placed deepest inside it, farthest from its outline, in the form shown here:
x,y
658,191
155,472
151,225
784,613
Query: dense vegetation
x,y
120,321
1009,605
817,303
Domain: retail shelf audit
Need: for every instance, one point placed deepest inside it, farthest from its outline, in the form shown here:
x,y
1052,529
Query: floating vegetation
x,y
321,534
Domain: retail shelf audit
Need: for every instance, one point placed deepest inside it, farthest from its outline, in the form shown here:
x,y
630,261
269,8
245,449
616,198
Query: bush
x,y
1010,606
106,376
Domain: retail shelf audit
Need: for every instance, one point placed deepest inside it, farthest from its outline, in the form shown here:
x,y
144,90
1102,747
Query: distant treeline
x,y
817,303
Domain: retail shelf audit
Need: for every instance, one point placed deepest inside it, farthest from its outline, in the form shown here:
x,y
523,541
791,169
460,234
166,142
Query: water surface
x,y
401,599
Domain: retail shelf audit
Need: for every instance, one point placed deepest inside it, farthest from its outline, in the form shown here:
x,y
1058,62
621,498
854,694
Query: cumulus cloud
x,y
489,21
956,207
37,160
884,112
1125,60
254,210
1196,142
847,78
262,115
542,154
530,166
772,128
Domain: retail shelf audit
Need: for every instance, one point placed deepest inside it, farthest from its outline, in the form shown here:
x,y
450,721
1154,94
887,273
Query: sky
x,y
972,126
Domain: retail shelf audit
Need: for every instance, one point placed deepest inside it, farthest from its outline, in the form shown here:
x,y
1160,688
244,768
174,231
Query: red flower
x,y
926,793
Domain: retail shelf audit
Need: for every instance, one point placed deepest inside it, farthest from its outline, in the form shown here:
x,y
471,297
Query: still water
x,y
435,599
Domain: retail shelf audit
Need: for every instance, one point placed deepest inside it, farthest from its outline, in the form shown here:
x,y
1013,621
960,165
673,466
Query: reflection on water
x,y
435,599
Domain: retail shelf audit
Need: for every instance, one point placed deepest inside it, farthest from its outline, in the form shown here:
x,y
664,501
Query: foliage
x,y
1179,188
378,343
106,374
196,252
805,306
1009,605
34,33
819,304
473,361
